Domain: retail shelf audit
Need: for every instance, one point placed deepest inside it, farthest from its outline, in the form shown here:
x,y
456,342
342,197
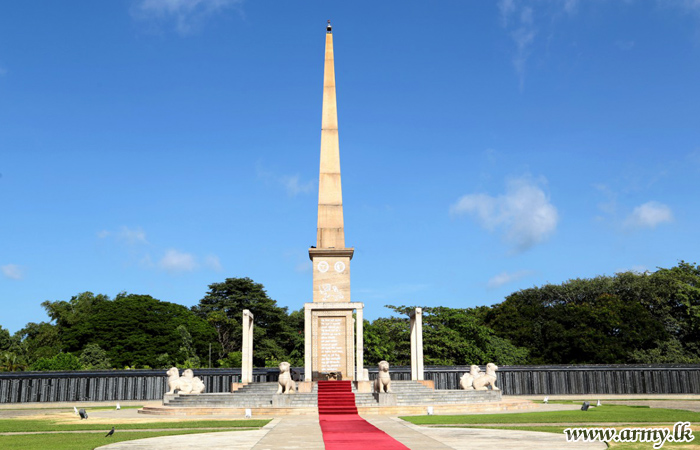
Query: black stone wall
x,y
22,387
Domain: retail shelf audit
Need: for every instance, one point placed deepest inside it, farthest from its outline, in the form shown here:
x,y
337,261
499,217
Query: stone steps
x,y
264,395
504,405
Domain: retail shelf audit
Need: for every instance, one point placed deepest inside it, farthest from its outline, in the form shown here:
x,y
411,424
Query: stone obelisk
x,y
328,319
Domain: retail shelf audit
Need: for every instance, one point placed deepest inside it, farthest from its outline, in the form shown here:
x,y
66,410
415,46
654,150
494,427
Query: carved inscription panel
x,y
331,344
331,279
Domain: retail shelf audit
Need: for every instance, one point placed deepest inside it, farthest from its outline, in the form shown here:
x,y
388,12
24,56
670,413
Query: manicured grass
x,y
79,441
603,401
7,425
603,414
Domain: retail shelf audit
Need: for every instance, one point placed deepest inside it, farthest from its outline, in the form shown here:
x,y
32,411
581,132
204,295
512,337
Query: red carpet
x,y
342,427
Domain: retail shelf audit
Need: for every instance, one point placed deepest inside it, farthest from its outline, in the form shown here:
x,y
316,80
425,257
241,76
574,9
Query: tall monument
x,y
329,329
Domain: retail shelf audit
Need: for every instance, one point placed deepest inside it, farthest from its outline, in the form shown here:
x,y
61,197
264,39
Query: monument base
x,y
364,386
305,387
407,398
282,400
386,399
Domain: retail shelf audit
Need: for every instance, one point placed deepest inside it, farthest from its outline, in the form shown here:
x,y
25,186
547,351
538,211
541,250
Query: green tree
x,y
233,359
188,354
10,362
37,340
451,336
93,357
5,339
61,361
274,336
600,320
135,329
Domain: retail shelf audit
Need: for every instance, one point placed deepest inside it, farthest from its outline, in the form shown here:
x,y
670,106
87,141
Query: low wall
x,y
105,385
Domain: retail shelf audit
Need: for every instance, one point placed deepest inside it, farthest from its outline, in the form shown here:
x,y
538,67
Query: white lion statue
x,y
383,381
467,380
177,383
285,383
487,379
196,382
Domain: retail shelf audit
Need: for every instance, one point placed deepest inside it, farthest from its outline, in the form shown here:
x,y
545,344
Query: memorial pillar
x,y
417,344
329,329
247,350
307,345
359,345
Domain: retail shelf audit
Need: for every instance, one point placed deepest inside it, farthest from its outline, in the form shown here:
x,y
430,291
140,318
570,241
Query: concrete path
x,y
235,440
304,433
293,432
470,438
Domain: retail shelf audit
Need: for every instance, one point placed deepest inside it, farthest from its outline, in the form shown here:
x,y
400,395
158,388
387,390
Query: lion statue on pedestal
x,y
185,384
383,381
196,382
487,379
467,380
285,383
177,383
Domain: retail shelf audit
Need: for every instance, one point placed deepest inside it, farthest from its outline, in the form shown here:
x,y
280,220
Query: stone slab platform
x,y
468,408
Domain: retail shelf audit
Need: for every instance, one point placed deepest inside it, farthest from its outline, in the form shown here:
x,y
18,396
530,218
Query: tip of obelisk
x,y
328,27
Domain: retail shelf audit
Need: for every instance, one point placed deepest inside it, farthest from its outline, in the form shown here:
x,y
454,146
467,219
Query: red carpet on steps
x,y
342,427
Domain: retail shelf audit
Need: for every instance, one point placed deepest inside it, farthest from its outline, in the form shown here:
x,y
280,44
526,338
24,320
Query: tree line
x,y
629,317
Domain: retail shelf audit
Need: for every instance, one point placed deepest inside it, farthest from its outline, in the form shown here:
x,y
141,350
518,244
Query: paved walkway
x,y
304,433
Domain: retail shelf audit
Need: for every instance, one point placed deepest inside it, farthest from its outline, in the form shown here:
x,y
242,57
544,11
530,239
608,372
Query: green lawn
x,y
603,414
79,441
630,416
14,425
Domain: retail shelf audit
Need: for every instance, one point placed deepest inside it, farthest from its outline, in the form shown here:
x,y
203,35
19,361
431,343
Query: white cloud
x,y
131,236
524,213
507,8
213,262
295,187
175,261
689,5
649,215
12,271
291,183
570,6
188,15
505,278
518,18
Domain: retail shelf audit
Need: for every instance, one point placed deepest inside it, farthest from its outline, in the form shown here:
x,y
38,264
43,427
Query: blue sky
x,y
158,146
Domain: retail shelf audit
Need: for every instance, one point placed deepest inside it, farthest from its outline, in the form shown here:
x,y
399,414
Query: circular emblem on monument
x,y
339,266
323,267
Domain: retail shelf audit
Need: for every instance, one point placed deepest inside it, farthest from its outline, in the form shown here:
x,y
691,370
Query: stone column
x,y
247,350
417,344
359,346
307,344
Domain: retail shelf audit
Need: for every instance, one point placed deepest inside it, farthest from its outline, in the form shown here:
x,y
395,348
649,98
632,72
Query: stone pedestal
x,y
386,399
364,387
305,387
329,330
281,401
428,383
236,386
